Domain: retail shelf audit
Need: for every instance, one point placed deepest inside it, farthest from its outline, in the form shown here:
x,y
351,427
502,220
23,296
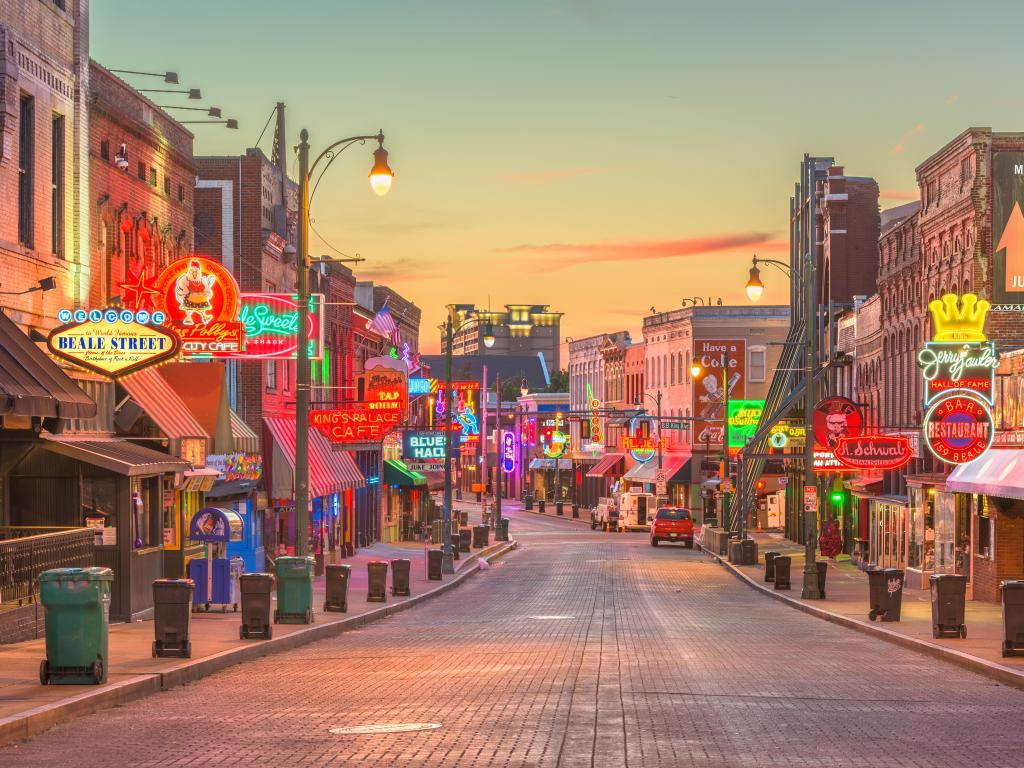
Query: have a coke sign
x,y
880,452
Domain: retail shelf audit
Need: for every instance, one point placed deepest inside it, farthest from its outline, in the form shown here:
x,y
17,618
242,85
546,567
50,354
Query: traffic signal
x,y
760,485
837,497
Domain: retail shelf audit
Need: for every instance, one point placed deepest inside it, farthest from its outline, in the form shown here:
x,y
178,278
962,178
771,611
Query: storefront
x,y
887,536
856,534
406,503
600,477
938,530
676,466
547,476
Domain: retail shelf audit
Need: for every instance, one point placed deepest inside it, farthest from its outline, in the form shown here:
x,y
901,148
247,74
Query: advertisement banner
x,y
1007,231
112,342
711,384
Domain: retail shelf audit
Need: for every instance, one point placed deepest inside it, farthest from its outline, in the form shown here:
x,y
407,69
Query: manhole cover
x,y
385,728
550,618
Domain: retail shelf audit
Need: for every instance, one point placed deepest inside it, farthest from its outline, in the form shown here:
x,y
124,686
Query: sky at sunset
x,y
599,157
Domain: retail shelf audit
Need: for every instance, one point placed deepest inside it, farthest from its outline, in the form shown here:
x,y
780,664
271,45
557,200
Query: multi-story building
x,y
849,225
519,329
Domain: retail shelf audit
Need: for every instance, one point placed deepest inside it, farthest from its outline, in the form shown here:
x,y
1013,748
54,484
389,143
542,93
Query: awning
x,y
396,473
162,404
199,479
609,465
246,441
226,489
676,466
203,389
329,470
32,385
116,455
539,463
863,486
1000,472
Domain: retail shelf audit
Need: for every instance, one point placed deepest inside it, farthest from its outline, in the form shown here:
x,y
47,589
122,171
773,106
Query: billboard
x,y
1007,230
712,383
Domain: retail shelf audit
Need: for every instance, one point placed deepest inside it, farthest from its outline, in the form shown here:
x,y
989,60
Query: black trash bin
x,y
576,511
749,552
434,559
256,589
559,508
465,538
782,565
172,617
400,586
481,534
735,551
528,501
336,583
1013,617
769,565
948,592
377,581
885,591
463,518
455,548
822,574
540,506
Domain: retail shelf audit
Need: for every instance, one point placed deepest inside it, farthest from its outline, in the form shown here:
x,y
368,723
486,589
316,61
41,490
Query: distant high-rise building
x,y
519,329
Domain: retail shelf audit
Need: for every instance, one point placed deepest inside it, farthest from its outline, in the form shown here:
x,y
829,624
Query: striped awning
x,y
329,470
246,441
607,466
162,404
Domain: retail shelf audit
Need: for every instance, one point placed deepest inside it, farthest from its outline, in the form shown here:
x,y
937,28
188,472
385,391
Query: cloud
x,y
952,99
901,145
567,255
545,177
400,269
899,194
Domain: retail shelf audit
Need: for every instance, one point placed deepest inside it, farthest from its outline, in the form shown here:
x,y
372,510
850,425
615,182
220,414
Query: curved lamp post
x,y
380,179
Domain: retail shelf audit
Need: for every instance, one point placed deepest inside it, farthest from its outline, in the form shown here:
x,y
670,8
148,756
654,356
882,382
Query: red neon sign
x,y
884,452
356,424
200,298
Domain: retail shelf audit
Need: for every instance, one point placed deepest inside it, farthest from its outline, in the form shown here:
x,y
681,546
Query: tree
x,y
559,382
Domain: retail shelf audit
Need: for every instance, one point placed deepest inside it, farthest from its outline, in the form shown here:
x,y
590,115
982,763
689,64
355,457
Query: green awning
x,y
396,473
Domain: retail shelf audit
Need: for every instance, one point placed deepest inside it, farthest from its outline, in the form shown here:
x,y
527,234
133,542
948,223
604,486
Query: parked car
x,y
672,524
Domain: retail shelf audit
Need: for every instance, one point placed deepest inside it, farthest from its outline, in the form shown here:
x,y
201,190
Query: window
x,y
152,177
105,149
181,193
965,171
757,364
672,368
142,171
26,170
57,191
986,529
167,185
271,375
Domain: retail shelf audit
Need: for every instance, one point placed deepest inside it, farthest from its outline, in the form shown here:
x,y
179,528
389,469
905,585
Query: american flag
x,y
383,322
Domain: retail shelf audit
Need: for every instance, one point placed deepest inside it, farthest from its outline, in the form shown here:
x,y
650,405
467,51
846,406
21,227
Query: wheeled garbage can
x,y
782,564
948,593
465,539
885,591
1013,617
377,581
294,590
76,602
434,559
172,617
255,589
400,586
336,581
769,565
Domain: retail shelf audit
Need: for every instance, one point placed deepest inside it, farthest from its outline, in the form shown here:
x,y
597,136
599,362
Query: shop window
x,y
271,375
986,530
57,187
26,170
99,507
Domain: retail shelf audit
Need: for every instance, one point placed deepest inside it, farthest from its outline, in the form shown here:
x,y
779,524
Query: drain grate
x,y
384,728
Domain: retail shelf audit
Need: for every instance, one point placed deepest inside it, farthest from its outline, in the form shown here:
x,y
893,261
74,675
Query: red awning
x,y
168,411
607,466
329,470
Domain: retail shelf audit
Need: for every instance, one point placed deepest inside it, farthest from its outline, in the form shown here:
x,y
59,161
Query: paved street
x,y
580,649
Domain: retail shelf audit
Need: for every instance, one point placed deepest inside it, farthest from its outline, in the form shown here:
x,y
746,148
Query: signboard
x,y
384,386
465,397
1007,231
660,482
643,440
959,428
355,423
826,461
682,426
810,498
422,445
595,417
425,466
959,356
508,452
835,418
554,443
744,416
787,434
271,324
884,452
236,466
200,299
713,382
419,386
112,342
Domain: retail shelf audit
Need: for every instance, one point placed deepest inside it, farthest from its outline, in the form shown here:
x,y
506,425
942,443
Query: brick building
x,y
849,225
44,130
406,314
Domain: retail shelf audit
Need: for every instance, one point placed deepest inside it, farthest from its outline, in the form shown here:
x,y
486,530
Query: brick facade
x,y
850,226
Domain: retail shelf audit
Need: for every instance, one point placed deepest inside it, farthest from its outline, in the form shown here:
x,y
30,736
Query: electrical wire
x,y
267,125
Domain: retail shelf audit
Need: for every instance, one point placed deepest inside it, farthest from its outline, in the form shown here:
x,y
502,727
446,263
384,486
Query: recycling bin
x,y
769,565
948,593
76,602
294,590
822,575
400,577
255,589
885,592
782,565
465,536
434,559
336,582
172,614
1013,617
504,529
377,581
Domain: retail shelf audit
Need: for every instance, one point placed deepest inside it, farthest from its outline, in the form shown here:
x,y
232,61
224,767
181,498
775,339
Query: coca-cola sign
x,y
874,451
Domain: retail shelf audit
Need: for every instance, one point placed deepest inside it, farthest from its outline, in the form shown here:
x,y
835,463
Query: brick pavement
x,y
581,649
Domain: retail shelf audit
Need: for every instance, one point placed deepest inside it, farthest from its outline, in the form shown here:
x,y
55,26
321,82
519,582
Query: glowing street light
x,y
381,174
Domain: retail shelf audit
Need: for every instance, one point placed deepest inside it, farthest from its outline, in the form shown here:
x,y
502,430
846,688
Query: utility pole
x,y
726,522
302,354
810,588
447,564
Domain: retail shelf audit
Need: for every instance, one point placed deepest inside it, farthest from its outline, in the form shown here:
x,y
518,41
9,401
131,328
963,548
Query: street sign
x,y
810,498
661,481
683,426
783,482
425,466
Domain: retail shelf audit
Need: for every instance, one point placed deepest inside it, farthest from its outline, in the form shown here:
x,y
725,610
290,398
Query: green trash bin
x,y
77,608
294,590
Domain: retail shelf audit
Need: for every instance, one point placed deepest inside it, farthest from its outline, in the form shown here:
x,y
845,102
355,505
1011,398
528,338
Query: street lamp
x,y
754,288
381,174
524,387
488,335
302,372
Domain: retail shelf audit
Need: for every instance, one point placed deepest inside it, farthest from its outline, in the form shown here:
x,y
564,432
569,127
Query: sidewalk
x,y
26,707
846,603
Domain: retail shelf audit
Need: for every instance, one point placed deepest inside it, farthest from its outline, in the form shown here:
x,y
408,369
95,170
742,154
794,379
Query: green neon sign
x,y
744,416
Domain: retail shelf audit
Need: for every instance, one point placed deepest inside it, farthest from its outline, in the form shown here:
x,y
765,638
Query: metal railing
x,y
25,552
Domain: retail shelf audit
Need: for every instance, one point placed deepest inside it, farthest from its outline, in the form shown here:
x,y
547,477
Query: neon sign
x,y
959,428
423,446
355,424
419,386
959,355
271,322
636,442
112,342
554,443
464,416
595,420
884,452
508,452
744,416
835,418
200,299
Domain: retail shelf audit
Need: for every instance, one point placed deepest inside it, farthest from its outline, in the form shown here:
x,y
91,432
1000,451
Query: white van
x,y
636,511
605,515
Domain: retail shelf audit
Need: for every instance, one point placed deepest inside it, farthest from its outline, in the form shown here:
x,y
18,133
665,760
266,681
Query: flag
x,y
383,322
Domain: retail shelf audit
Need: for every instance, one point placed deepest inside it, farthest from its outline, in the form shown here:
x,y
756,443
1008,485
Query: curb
x,y
1006,675
34,721
564,518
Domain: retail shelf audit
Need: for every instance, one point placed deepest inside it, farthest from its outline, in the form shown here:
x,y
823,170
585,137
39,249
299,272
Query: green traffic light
x,y
837,497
